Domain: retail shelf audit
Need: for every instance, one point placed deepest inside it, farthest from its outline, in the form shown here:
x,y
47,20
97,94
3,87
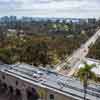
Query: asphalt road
x,y
81,52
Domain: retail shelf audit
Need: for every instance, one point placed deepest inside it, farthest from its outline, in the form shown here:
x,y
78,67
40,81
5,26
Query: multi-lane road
x,y
79,55
46,80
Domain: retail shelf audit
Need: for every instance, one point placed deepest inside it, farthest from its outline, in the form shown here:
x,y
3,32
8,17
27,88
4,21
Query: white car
x,y
39,73
36,75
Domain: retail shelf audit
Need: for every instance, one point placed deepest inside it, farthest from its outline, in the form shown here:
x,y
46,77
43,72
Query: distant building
x,y
11,32
12,19
82,21
91,20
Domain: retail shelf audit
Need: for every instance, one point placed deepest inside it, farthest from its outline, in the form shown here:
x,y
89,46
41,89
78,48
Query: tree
x,y
85,74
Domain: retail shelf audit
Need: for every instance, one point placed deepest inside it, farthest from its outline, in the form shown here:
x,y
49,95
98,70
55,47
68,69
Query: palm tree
x,y
85,74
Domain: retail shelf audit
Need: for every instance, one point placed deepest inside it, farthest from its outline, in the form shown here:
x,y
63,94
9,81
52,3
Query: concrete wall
x,y
57,96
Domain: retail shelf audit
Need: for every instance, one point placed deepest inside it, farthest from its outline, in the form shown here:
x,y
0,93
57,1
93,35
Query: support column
x,y
24,94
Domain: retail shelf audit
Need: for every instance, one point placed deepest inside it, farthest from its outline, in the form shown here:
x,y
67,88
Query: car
x,y
36,75
39,73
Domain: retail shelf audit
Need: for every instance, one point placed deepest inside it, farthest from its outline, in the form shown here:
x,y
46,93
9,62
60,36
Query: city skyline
x,y
51,8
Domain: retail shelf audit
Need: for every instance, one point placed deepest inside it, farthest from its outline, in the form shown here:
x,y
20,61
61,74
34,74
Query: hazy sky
x,y
51,8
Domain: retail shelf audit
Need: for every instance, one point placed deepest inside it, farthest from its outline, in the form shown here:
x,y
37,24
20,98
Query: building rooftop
x,y
49,79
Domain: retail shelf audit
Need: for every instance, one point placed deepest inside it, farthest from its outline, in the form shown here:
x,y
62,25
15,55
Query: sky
x,y
51,8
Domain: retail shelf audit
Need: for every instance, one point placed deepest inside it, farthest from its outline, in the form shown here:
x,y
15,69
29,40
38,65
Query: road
x,y
80,54
52,81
